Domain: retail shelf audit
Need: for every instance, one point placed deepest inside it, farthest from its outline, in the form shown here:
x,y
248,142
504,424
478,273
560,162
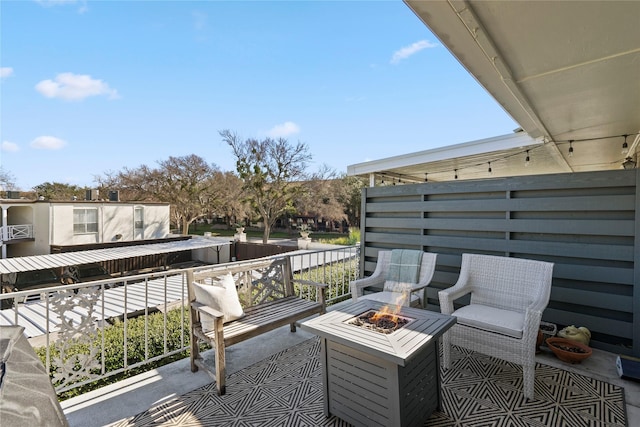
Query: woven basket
x,y
567,350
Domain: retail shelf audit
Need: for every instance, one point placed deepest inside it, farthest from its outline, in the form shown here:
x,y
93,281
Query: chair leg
x,y
529,379
446,350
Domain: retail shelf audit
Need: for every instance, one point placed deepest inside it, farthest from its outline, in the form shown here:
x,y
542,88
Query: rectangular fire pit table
x,y
380,379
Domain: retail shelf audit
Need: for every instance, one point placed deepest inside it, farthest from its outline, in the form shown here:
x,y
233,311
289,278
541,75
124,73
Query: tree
x,y
269,170
319,197
350,197
59,191
7,181
187,183
232,201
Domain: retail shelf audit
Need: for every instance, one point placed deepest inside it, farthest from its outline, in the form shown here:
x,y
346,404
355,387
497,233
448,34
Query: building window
x,y
138,217
85,221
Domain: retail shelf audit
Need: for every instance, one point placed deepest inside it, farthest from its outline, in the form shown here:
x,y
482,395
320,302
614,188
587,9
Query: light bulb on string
x,y
490,170
455,171
571,148
527,159
625,146
425,177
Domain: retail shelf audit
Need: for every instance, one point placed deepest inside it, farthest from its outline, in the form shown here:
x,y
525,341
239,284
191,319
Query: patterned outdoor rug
x,y
286,390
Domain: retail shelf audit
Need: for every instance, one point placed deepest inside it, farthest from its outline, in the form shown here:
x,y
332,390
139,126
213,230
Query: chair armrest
x,y
449,295
531,326
419,286
356,286
201,308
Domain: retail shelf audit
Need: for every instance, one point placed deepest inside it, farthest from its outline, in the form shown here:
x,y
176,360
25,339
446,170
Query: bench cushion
x,y
221,294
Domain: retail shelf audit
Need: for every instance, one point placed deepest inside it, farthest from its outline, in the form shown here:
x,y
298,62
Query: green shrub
x,y
137,351
337,277
352,239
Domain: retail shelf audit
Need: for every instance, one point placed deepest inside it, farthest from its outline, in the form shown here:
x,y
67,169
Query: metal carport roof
x,y
39,262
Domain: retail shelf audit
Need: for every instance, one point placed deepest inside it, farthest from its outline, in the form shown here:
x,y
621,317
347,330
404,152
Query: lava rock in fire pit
x,y
382,322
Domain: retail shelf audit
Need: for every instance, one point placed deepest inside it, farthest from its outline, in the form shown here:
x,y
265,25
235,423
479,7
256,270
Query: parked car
x,y
46,278
32,279
91,272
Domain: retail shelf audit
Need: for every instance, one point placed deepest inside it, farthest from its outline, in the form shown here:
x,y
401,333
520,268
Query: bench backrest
x,y
258,281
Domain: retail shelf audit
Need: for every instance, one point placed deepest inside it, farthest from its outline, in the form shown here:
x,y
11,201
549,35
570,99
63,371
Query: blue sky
x,y
94,86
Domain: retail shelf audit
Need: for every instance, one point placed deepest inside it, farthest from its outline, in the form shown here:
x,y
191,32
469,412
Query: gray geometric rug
x,y
286,390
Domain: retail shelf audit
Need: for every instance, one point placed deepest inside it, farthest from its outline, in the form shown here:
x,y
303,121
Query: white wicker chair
x,y
508,296
415,296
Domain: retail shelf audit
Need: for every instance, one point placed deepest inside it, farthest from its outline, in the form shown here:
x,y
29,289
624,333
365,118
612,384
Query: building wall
x,y
115,223
53,224
583,222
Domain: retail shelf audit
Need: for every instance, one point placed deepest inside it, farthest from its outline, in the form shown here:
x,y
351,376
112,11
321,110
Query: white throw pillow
x,y
220,295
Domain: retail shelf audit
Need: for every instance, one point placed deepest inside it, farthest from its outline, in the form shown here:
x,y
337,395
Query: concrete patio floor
x,y
137,394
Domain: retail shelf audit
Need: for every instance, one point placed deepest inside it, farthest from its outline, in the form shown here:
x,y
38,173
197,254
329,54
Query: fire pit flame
x,y
386,314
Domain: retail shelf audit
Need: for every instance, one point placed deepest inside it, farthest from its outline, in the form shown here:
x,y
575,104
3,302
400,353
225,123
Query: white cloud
x,y
48,143
283,130
75,87
9,146
6,72
412,49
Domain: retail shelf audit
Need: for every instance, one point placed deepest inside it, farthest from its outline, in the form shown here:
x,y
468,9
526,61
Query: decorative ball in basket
x,y
568,350
581,334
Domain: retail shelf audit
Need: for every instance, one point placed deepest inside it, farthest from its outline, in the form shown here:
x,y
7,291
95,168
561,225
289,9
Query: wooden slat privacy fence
x,y
583,222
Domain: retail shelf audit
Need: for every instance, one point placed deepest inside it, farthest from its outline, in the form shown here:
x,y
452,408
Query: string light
x,y
527,155
625,146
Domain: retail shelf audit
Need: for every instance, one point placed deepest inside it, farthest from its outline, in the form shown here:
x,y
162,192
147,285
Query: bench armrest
x,y
312,283
322,287
201,308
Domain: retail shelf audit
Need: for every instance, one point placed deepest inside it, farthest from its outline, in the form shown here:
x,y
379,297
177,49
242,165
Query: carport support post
x,y
635,333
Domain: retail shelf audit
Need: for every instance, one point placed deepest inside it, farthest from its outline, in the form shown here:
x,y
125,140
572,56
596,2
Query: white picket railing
x,y
11,232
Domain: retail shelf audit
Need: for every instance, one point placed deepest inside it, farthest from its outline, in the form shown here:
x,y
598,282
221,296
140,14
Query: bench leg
x,y
195,353
293,327
220,358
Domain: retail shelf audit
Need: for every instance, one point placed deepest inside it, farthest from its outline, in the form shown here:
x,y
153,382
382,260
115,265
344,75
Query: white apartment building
x,y
31,227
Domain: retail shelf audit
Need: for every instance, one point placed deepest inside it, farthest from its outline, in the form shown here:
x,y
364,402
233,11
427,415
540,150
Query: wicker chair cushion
x,y
392,298
220,295
505,322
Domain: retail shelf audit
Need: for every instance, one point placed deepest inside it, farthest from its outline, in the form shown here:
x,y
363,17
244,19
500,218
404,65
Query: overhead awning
x,y
565,71
39,262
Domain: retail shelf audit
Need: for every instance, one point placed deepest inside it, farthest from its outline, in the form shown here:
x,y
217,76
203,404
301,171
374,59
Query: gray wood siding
x,y
583,222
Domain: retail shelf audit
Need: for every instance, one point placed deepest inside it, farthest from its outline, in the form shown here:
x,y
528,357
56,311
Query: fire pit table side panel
x,y
365,390
376,379
361,389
